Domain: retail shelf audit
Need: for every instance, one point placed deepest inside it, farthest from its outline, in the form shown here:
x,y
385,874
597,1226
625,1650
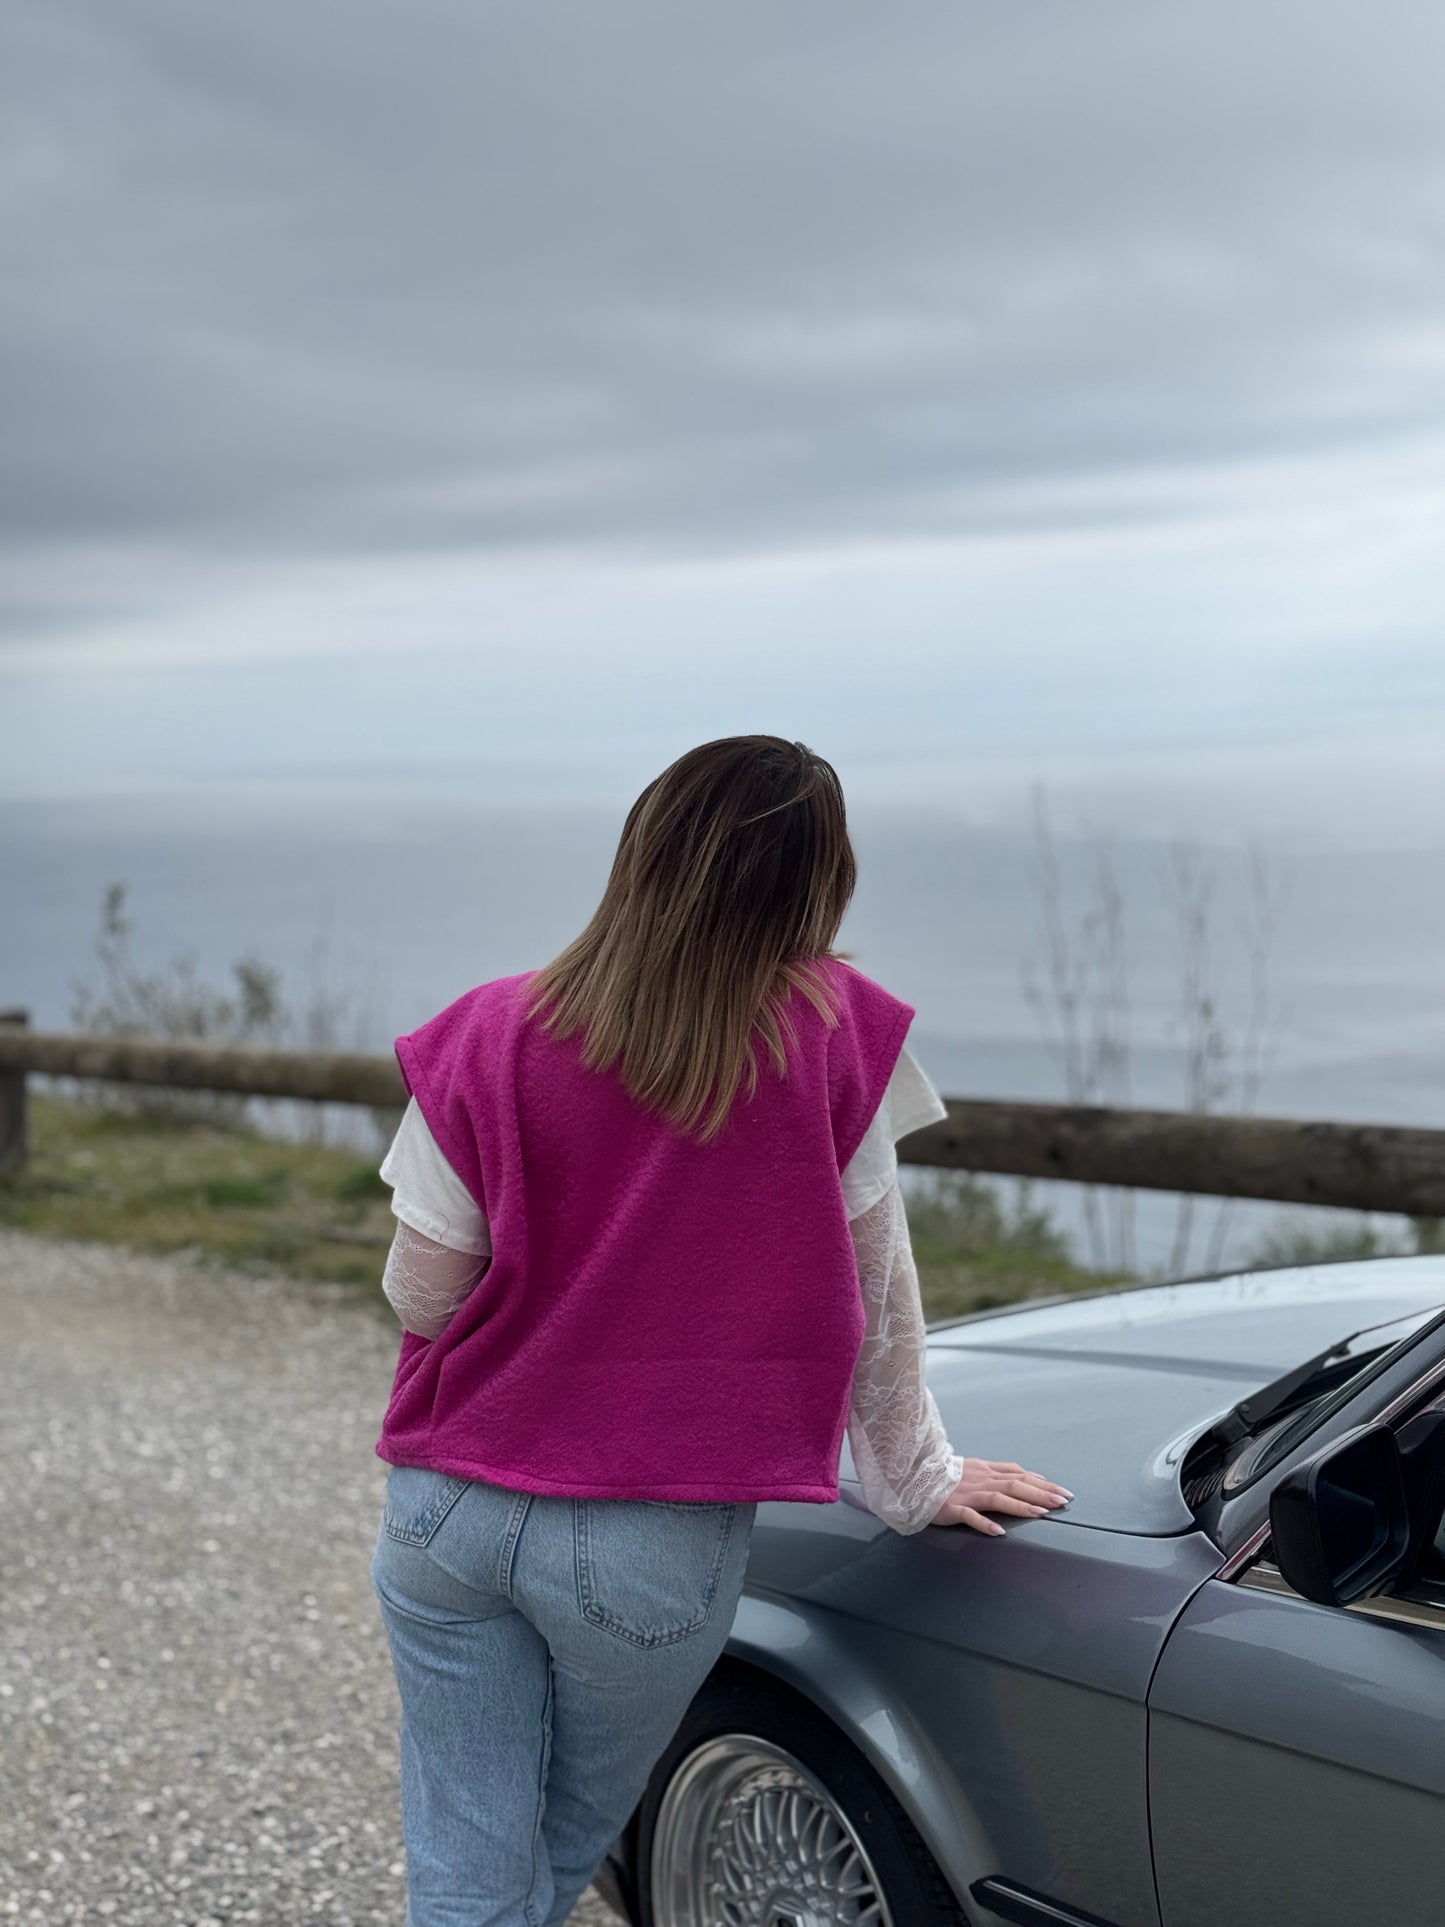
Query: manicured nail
x,y
1066,1492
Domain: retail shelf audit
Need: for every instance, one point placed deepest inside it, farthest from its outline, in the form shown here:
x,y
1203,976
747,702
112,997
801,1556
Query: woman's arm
x,y
425,1281
443,1242
910,1474
905,1463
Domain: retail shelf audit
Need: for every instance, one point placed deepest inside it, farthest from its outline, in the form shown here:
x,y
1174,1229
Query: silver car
x,y
1211,1693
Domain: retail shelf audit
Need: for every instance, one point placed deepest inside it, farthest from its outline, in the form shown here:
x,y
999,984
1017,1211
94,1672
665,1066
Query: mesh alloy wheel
x,y
746,1837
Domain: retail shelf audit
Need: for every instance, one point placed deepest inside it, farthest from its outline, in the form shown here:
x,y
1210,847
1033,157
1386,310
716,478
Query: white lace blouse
x,y
905,1464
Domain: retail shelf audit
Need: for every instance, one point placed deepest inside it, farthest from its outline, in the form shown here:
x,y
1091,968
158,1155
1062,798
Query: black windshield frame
x,y
1297,1422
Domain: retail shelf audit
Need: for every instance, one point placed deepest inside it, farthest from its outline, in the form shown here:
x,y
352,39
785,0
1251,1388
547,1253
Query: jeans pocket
x,y
417,1500
648,1569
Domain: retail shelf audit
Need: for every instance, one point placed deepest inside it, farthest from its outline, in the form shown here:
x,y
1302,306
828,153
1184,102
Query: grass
x,y
168,1184
973,1253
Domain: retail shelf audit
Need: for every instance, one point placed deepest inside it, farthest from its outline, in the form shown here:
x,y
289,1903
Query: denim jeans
x,y
545,1651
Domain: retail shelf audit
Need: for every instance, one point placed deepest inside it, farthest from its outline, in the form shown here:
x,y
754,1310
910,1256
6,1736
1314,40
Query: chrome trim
x,y
1412,1612
1008,1901
1266,1577
1422,1384
1238,1561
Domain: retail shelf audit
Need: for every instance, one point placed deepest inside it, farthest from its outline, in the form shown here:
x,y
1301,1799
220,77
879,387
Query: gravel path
x,y
197,1710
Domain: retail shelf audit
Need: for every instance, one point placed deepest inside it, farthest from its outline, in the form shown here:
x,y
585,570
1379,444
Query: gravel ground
x,y
197,1711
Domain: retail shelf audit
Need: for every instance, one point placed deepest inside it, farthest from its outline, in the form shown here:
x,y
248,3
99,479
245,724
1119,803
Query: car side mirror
x,y
1340,1523
1422,1460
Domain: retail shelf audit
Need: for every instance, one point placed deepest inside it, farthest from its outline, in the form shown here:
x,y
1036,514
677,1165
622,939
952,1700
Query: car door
x,y
1297,1753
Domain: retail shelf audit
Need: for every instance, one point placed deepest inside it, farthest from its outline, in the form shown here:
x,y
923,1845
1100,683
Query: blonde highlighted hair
x,y
730,881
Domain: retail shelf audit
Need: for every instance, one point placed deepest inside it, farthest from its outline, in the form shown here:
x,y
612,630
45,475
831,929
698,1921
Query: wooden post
x,y
12,1103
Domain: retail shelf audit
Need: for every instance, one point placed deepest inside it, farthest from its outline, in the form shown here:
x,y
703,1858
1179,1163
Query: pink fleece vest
x,y
660,1319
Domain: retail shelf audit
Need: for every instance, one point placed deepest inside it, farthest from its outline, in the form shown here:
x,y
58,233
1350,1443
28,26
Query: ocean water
x,y
381,906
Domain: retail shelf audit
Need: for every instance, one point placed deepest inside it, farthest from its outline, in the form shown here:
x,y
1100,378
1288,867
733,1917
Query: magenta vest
x,y
660,1319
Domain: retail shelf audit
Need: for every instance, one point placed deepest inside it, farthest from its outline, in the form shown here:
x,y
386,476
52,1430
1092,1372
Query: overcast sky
x,y
489,396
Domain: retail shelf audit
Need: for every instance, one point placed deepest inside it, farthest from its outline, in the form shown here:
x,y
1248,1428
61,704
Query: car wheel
x,y
761,1814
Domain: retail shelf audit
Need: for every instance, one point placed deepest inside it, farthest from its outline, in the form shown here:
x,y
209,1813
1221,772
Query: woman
x,y
653,1263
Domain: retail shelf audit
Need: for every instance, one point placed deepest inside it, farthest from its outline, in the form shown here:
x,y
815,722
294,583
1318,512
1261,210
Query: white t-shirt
x,y
905,1464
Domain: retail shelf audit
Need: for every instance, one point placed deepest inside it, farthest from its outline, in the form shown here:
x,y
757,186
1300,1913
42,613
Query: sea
x,y
1319,969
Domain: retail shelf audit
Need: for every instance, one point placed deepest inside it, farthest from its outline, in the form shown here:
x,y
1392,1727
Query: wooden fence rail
x,y
1362,1167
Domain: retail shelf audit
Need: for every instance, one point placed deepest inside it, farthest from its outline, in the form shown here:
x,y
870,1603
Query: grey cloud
x,y
287,280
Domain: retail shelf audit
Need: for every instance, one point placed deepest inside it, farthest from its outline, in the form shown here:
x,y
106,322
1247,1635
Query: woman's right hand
x,y
996,1485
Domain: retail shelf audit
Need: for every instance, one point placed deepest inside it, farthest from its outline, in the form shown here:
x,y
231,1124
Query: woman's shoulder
x,y
479,1000
872,1001
434,1055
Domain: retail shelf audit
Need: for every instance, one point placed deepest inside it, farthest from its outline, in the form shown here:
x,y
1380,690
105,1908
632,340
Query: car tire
x,y
749,1748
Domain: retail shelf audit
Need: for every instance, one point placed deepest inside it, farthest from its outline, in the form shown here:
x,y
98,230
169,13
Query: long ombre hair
x,y
731,878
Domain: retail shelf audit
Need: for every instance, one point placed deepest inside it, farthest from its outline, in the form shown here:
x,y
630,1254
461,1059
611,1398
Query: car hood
x,y
1105,1393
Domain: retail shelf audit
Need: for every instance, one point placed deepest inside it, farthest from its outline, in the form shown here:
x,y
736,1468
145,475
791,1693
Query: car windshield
x,y
1331,1379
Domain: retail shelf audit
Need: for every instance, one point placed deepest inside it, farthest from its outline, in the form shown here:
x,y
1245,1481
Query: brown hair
x,y
731,877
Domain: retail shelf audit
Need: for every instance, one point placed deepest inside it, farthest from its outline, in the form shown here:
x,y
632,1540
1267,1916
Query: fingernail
x,y
1066,1492
998,1532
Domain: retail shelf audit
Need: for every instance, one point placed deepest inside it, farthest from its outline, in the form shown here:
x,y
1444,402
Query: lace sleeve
x,y
425,1282
905,1463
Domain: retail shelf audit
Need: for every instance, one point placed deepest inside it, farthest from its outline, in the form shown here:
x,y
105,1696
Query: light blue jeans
x,y
545,1651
